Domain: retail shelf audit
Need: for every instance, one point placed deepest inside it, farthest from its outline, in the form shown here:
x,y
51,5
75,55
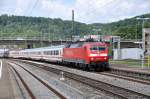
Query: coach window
x,y
57,52
52,52
48,52
60,52
45,52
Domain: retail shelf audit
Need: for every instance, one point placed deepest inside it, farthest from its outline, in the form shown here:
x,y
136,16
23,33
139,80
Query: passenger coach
x,y
52,53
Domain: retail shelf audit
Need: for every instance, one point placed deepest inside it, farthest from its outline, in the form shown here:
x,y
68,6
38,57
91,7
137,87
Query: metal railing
x,y
34,39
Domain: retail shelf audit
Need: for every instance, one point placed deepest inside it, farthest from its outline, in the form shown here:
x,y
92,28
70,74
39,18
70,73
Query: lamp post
x,y
143,39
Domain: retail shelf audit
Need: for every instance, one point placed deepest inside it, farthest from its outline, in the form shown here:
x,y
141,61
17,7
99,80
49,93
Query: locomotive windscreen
x,y
98,48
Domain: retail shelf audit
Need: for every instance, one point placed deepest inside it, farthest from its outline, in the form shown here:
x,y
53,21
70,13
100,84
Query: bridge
x,y
15,43
12,43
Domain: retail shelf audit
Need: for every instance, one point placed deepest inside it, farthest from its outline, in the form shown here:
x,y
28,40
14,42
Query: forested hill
x,y
21,26
130,28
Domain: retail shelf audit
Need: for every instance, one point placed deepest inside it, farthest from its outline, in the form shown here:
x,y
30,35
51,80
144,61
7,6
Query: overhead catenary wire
x,y
26,14
34,6
91,12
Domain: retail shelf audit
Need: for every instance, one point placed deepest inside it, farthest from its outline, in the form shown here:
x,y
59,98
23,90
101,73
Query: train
x,y
84,55
3,53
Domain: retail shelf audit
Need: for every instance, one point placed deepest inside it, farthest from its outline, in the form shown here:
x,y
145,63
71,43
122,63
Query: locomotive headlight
x,y
103,54
93,54
92,58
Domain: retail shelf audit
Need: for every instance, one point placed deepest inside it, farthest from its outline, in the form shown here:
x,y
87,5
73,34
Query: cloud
x,y
57,8
24,7
6,8
94,10
87,11
90,11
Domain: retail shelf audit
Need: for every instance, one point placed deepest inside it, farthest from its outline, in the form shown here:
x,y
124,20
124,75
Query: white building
x,y
127,53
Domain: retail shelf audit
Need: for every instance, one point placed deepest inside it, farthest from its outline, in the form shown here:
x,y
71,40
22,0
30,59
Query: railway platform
x,y
6,90
8,85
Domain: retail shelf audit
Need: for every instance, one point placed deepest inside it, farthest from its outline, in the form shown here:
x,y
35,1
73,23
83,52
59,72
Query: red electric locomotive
x,y
87,55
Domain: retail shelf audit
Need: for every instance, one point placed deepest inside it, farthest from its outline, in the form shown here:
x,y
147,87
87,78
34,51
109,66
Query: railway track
x,y
28,89
104,86
143,81
132,74
24,84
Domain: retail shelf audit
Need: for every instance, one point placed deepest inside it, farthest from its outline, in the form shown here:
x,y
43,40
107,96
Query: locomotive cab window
x,y
98,48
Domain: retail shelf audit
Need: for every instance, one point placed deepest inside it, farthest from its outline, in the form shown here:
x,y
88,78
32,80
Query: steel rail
x,y
125,77
61,96
24,84
133,74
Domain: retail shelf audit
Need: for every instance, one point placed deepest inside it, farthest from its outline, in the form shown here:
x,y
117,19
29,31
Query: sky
x,y
86,11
